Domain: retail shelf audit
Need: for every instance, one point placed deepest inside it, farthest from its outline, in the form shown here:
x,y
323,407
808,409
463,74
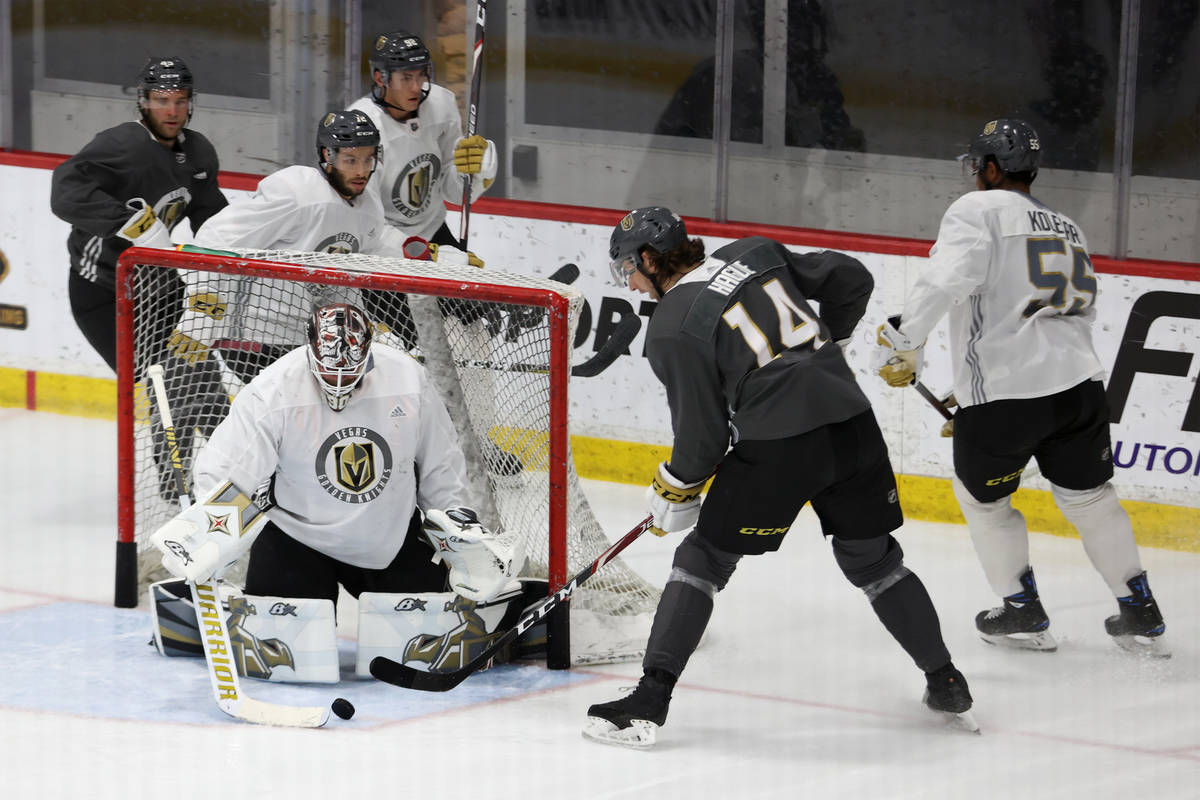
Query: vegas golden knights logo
x,y
419,181
254,657
456,648
355,465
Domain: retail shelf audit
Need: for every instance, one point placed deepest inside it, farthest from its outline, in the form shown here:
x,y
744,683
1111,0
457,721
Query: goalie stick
x,y
218,654
473,113
398,674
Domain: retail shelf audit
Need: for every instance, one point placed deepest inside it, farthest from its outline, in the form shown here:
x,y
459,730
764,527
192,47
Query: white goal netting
x,y
486,337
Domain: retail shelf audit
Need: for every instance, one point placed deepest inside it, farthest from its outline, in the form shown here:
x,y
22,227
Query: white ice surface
x,y
798,692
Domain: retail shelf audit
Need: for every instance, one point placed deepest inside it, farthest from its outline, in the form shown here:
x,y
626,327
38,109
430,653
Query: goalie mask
x,y
339,349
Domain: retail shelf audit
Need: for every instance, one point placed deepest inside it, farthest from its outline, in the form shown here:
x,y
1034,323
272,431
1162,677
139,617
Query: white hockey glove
x,y
475,155
420,250
898,359
482,565
675,504
144,229
203,541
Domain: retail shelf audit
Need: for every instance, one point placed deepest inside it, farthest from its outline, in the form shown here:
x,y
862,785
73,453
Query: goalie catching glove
x,y
482,565
897,359
674,503
144,229
206,539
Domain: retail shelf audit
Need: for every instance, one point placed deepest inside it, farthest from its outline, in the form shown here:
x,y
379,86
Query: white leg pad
x,y
427,631
1000,539
1106,532
284,639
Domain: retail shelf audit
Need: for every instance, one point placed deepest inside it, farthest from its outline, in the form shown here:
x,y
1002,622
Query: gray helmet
x,y
1013,143
651,226
345,129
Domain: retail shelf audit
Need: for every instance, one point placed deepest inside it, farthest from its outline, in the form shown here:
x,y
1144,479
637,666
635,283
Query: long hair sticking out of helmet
x,y
1012,143
399,50
339,350
660,232
164,75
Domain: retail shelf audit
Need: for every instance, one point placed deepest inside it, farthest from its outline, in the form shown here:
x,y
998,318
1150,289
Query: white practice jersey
x,y
1017,281
346,482
292,209
417,176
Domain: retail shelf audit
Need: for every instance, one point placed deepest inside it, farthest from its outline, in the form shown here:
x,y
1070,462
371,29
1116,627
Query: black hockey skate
x,y
946,692
1021,622
633,720
1139,627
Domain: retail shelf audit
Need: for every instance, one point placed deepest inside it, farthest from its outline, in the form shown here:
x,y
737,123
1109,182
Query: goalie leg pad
x,y
284,639
174,629
430,631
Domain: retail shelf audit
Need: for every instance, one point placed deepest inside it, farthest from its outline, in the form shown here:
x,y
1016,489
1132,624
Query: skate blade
x,y
1042,641
640,735
963,721
1145,646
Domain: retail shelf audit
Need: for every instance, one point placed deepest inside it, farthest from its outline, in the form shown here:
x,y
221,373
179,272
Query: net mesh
x,y
215,326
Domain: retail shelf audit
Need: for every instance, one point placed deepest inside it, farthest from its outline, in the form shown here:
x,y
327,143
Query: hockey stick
x,y
473,114
218,653
624,332
398,674
1028,471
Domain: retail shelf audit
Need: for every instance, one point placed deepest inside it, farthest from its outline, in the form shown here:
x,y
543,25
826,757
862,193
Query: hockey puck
x,y
343,708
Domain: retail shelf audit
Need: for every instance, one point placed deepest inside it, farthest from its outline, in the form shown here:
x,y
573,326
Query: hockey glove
x,y
948,426
143,229
675,504
897,359
475,155
186,349
208,537
420,250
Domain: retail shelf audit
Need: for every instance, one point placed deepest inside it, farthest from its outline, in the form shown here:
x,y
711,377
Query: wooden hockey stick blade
x,y
932,400
627,328
398,674
567,273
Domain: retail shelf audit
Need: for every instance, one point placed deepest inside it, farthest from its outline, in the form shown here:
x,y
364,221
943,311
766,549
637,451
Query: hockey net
x,y
496,344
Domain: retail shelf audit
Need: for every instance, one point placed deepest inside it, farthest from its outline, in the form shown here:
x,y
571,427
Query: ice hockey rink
x,y
797,692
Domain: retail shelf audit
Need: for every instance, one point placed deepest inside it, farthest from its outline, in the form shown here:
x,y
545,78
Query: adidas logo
x,y
397,411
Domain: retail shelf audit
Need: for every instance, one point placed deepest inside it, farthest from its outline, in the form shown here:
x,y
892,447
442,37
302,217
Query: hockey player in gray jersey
x,y
1016,279
130,186
746,361
427,155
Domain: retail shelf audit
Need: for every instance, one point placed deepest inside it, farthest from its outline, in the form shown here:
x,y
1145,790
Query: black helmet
x,y
1013,143
163,74
651,226
345,129
399,50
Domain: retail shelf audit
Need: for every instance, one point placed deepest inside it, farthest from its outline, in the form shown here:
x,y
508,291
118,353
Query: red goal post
x,y
496,343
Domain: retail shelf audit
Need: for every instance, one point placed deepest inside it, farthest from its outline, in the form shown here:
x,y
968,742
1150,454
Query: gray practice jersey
x,y
742,353
1017,281
345,482
416,177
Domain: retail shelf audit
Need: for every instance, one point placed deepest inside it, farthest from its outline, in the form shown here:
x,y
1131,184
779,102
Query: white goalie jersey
x,y
292,209
1017,281
417,175
345,482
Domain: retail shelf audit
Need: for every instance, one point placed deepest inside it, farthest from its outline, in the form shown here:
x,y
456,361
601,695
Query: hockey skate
x,y
633,720
1021,622
1139,627
947,694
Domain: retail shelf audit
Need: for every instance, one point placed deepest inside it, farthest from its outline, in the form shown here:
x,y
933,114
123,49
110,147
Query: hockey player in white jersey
x,y
427,155
1016,279
342,441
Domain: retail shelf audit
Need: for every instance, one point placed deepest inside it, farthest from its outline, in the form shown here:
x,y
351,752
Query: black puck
x,y
343,708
